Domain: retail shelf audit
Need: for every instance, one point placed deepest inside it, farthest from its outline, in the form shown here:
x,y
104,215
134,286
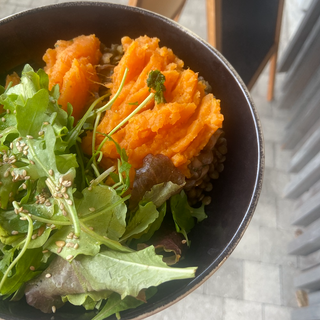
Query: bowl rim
x,y
231,245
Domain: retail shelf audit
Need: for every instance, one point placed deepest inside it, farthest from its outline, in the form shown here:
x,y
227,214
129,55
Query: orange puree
x,y
71,65
179,128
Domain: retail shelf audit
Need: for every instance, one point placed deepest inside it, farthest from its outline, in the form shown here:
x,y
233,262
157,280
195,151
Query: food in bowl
x,y
93,190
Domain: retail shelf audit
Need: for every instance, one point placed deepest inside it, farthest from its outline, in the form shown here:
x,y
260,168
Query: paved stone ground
x,y
256,282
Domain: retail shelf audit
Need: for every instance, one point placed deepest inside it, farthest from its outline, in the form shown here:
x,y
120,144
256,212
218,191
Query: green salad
x,y
66,235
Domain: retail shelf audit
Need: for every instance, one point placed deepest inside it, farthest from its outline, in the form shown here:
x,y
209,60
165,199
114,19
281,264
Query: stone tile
x,y
20,2
271,312
260,87
173,312
262,282
273,129
266,212
305,262
39,3
269,154
274,182
273,246
288,297
242,310
187,19
194,306
6,10
282,157
227,281
261,104
197,306
249,246
285,213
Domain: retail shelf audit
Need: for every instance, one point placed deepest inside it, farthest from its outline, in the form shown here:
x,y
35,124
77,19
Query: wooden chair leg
x,y
272,76
274,57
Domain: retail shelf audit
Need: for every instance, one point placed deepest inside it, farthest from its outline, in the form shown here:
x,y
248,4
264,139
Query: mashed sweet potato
x,y
179,128
71,64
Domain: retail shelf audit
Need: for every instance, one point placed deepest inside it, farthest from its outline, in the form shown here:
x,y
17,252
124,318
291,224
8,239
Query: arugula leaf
x,y
23,273
115,304
129,273
70,246
145,215
184,215
89,300
156,82
97,211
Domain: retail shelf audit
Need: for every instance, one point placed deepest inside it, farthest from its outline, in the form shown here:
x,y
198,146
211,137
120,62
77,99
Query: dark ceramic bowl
x,y
24,37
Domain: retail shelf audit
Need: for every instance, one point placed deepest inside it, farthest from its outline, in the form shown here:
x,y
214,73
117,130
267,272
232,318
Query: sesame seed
x,y
32,268
31,162
70,235
53,226
14,232
64,212
61,206
69,257
26,148
48,203
8,111
65,195
89,188
60,243
45,251
6,174
3,119
92,209
22,144
75,237
76,246
91,228
59,195
27,177
25,152
24,173
29,137
11,145
63,189
59,250
24,186
23,218
34,236
46,123
48,275
54,309
60,180
69,202
40,133
51,172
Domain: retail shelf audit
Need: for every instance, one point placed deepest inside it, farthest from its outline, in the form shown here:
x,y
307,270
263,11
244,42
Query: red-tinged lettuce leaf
x,y
170,244
125,273
155,170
